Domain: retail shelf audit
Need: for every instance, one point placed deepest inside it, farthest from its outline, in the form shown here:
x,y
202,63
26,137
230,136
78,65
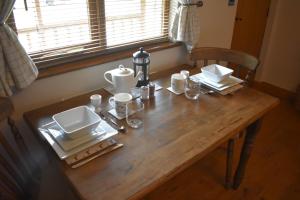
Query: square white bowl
x,y
216,73
77,121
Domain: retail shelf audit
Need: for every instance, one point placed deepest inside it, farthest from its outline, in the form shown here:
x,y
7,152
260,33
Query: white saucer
x,y
177,93
120,117
135,92
66,148
67,143
114,113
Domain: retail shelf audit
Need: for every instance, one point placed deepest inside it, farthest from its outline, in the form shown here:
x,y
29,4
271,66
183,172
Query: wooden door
x,y
250,23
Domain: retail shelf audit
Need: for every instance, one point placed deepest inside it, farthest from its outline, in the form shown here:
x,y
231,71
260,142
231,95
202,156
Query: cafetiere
x,y
141,61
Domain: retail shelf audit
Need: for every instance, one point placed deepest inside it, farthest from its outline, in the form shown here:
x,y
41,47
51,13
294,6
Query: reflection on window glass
x,y
63,11
114,8
50,24
24,19
78,24
133,20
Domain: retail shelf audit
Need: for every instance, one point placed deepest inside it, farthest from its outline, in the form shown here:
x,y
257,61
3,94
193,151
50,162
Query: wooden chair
x,y
19,174
244,66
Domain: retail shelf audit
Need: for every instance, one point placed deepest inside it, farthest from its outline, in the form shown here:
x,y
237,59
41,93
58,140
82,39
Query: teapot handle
x,y
106,78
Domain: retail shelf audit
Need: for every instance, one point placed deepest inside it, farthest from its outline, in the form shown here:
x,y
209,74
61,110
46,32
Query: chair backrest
x,y
244,64
16,167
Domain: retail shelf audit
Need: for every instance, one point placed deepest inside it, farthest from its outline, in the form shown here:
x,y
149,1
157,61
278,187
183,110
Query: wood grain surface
x,y
177,132
272,173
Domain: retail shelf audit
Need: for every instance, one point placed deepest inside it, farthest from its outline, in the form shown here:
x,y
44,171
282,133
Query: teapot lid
x,y
124,71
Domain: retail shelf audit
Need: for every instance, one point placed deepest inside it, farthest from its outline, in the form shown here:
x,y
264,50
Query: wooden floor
x,y
273,171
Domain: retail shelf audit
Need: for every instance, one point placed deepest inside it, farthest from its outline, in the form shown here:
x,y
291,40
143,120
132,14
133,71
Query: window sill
x,y
81,64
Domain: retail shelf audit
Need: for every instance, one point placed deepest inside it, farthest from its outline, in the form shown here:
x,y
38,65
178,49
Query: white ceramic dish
x,y
77,121
216,72
74,150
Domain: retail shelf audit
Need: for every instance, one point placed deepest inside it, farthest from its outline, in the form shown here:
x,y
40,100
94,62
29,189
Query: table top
x,y
177,132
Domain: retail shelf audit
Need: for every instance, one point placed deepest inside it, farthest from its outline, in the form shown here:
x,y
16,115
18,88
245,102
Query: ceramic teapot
x,y
122,79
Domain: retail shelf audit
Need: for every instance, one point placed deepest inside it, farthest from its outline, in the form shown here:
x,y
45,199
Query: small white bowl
x,y
77,121
216,73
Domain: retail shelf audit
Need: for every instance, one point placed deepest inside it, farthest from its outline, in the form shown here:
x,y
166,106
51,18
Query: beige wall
x,y
217,23
280,53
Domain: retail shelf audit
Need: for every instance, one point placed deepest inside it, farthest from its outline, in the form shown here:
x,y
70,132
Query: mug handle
x,y
106,78
111,101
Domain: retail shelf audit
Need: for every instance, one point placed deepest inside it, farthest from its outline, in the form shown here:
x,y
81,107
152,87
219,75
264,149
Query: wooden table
x,y
177,132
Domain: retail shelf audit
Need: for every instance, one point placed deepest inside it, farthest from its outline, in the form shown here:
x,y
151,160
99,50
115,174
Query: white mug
x,y
177,82
119,101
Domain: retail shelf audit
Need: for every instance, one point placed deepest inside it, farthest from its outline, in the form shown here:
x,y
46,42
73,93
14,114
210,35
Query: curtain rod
x,y
198,4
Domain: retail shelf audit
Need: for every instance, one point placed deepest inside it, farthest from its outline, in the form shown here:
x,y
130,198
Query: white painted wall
x,y
217,23
280,53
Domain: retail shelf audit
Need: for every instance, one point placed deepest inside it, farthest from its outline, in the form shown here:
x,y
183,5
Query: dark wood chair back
x,y
19,174
244,65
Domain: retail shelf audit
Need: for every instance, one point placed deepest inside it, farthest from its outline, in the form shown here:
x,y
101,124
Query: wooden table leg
x,y
251,133
229,161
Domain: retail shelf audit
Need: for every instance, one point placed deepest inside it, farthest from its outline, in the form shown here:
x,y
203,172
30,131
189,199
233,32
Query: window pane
x,y
115,8
63,11
133,20
52,30
153,18
24,19
50,24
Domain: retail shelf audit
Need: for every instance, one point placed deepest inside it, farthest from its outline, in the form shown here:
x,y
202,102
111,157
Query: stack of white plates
x,y
67,143
222,82
66,147
76,130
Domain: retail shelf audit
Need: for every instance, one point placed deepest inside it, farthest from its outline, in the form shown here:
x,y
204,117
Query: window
x,y
43,24
53,31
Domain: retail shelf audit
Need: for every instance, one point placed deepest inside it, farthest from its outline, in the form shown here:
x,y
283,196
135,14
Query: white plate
x,y
67,143
177,93
114,113
135,92
120,117
63,154
227,83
